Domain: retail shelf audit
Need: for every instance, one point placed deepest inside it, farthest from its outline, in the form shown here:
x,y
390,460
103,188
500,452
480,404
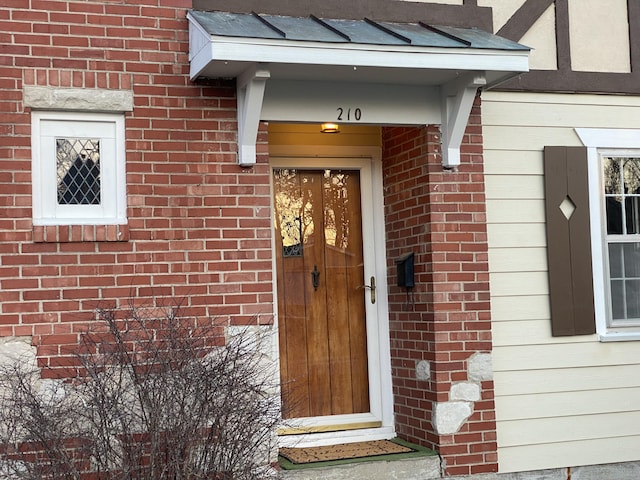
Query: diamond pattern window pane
x,y
78,171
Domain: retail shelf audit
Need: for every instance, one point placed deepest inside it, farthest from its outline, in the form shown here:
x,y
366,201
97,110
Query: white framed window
x,y
78,167
614,192
620,173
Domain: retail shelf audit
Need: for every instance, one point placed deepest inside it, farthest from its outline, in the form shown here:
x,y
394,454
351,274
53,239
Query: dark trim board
x,y
575,82
563,37
467,15
633,7
524,18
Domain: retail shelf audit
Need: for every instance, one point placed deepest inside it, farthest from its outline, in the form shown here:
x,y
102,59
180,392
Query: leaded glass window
x,y
79,168
78,171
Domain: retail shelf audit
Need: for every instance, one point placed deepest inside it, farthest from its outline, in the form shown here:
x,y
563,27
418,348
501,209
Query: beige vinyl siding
x,y
563,401
607,378
531,260
562,405
516,138
523,234
525,307
609,450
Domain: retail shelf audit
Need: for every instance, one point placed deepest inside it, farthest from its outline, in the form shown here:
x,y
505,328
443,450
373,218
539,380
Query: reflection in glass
x,y
294,209
615,260
289,212
614,216
336,220
632,209
617,300
621,181
631,260
631,168
612,176
624,275
632,295
291,229
78,171
621,177
321,306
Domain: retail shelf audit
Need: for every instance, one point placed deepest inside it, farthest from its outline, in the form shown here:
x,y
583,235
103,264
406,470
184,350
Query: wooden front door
x,y
321,300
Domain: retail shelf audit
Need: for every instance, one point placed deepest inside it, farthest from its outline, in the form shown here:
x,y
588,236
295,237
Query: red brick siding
x,y
440,216
198,225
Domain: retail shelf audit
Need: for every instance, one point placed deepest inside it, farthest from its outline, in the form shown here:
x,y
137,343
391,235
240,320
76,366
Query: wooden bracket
x,y
457,100
250,93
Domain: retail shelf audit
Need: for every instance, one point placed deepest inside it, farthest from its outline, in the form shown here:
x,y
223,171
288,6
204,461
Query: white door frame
x,y
315,431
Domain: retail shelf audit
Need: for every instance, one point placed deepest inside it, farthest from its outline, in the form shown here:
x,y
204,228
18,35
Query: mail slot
x,y
404,269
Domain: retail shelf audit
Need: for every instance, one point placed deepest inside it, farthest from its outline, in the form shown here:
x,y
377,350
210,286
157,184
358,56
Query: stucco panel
x,y
502,10
542,39
598,42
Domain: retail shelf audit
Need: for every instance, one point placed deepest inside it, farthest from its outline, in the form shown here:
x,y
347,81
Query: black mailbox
x,y
404,268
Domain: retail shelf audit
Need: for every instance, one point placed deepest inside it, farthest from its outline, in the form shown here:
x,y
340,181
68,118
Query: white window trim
x,y
614,142
112,210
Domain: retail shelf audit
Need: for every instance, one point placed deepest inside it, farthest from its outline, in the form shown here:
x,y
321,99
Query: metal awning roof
x,y
363,31
298,53
245,38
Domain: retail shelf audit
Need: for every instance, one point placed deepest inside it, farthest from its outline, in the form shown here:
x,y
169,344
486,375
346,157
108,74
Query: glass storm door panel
x,y
321,311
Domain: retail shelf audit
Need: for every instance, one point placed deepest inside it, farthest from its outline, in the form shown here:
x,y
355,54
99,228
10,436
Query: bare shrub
x,y
155,397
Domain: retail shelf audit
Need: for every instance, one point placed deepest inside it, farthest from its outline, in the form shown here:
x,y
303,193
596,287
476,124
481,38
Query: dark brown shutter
x,y
569,242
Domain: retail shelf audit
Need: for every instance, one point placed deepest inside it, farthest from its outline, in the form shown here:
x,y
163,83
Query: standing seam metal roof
x,y
365,31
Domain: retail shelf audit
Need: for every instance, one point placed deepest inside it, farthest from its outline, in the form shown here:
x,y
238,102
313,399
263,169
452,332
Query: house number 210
x,y
347,114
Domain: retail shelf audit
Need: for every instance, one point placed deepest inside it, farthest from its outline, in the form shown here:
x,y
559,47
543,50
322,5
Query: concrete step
x,y
417,468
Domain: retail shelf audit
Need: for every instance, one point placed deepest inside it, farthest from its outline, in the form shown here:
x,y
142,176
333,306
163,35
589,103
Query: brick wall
x,y
198,225
439,215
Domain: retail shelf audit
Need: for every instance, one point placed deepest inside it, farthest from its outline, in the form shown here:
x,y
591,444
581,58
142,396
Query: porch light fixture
x,y
330,128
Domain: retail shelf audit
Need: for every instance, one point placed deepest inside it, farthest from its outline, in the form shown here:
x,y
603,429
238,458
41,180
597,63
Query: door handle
x,y
372,288
315,277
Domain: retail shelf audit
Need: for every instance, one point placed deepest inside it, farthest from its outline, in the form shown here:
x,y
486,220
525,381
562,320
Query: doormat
x,y
345,451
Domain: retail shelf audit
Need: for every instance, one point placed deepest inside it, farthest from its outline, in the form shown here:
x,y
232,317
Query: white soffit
x,y
311,69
